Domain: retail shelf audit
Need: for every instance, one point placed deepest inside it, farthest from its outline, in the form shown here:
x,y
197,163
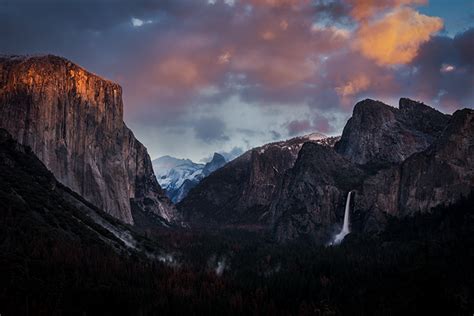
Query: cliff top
x,y
51,62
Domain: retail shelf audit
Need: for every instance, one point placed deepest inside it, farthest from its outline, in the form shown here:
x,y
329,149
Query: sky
x,y
204,76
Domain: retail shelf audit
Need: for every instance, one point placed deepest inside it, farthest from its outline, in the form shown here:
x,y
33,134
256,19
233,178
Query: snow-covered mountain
x,y
178,176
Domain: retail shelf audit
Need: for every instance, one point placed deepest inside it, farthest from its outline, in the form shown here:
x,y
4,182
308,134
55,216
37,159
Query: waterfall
x,y
220,267
345,226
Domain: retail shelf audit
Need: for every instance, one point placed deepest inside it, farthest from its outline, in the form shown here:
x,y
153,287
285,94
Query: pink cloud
x,y
271,51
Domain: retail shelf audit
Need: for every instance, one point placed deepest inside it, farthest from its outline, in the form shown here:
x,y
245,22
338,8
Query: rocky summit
x,y
73,121
379,134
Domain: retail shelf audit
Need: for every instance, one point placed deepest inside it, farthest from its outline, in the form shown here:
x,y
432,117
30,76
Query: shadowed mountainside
x,y
240,193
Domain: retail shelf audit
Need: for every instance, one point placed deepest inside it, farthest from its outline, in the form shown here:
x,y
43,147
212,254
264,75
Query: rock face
x,y
241,192
73,121
380,134
33,200
442,173
312,196
439,170
217,161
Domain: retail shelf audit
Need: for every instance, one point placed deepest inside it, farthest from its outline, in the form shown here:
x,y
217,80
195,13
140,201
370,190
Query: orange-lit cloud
x,y
396,37
268,35
359,83
277,53
224,58
364,9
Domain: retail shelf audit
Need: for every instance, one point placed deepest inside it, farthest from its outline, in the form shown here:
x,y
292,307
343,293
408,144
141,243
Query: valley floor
x,y
419,265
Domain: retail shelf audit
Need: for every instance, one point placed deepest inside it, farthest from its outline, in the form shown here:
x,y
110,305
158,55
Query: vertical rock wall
x,y
73,121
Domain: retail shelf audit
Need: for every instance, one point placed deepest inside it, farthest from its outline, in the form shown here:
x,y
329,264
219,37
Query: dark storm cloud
x,y
95,33
444,71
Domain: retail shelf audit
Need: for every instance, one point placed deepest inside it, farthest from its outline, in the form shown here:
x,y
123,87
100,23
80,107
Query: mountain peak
x,y
422,117
372,133
217,161
373,109
217,157
407,105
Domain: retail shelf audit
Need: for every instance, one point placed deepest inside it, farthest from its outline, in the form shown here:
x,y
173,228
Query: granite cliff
x,y
312,194
380,134
73,121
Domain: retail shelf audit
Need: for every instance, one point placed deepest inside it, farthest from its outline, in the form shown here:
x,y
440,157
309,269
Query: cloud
x,y
397,36
138,22
443,72
365,9
278,3
298,126
262,55
210,130
447,68
354,85
211,75
317,124
232,154
322,125
275,135
179,72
